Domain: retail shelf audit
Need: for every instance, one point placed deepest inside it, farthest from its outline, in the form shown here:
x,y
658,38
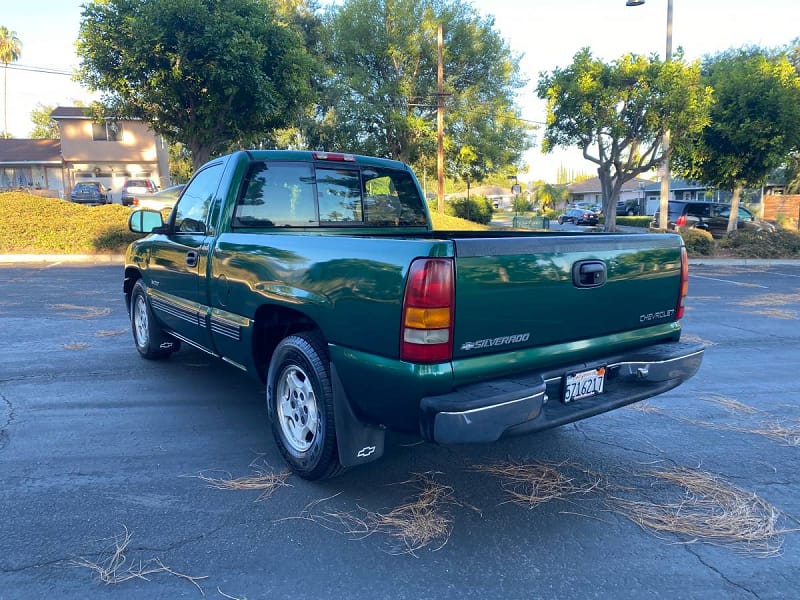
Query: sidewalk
x,y
96,259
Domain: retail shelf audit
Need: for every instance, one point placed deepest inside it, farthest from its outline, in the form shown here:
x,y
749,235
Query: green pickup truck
x,y
320,274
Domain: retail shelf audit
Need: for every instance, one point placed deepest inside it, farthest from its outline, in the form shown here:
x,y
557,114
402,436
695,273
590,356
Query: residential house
x,y
590,190
109,151
500,197
682,189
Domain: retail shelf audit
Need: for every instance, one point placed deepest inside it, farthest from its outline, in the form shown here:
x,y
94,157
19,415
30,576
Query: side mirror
x,y
145,221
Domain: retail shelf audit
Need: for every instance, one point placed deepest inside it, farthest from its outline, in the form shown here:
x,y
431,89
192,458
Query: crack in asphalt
x,y
720,573
4,435
586,436
48,563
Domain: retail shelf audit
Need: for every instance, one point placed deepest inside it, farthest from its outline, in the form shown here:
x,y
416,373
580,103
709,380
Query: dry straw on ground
x,y
80,312
117,569
422,522
730,403
770,300
263,480
75,346
536,483
690,337
111,332
706,509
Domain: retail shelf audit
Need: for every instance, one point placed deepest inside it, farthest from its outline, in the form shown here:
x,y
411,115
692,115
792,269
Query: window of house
x,y
107,131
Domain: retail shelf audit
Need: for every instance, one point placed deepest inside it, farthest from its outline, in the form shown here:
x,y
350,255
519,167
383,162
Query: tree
x,y
617,113
211,75
381,94
44,127
10,51
754,122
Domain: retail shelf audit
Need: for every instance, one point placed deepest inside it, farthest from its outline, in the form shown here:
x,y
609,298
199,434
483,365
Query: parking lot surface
x,y
126,478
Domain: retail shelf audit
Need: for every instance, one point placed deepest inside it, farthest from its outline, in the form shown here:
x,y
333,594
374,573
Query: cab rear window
x,y
304,195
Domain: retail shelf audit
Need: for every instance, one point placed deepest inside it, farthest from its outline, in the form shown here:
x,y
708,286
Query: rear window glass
x,y
300,195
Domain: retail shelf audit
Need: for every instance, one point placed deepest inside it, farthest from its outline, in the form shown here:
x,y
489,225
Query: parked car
x,y
579,216
709,216
90,193
131,187
162,200
627,208
590,206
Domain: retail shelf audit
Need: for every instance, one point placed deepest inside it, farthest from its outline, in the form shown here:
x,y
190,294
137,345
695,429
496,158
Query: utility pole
x,y
440,125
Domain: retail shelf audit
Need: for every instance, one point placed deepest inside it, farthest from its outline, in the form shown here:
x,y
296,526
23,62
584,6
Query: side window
x,y
391,198
702,210
276,195
745,214
191,213
339,195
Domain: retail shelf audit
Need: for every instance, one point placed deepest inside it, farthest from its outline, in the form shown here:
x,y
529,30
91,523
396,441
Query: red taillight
x,y
681,221
333,156
135,202
428,307
684,291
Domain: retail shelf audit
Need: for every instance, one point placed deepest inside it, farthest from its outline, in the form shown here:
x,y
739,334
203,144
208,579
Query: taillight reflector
x,y
684,291
681,221
427,326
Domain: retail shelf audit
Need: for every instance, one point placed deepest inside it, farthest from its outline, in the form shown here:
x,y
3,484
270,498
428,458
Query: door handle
x,y
590,273
191,258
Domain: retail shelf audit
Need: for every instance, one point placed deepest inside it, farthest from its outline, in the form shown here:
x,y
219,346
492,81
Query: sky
x,y
547,33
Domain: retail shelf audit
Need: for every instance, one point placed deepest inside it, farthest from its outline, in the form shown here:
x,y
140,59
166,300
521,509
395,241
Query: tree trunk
x,y
733,219
201,154
5,100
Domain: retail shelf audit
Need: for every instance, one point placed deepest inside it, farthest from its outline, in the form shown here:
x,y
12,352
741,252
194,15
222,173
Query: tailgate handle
x,y
589,273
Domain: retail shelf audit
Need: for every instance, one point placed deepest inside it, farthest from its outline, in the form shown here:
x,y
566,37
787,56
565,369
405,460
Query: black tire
x,y
630,212
300,405
151,342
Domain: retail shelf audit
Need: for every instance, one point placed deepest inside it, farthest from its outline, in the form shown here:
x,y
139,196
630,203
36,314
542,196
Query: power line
x,y
35,69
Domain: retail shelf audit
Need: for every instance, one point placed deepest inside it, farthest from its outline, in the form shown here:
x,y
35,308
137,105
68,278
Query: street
x,y
126,478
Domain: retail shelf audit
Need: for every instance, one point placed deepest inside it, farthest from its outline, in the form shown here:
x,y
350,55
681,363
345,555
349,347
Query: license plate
x,y
584,384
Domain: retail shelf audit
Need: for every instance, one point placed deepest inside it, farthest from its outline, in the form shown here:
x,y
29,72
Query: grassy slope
x,y
33,225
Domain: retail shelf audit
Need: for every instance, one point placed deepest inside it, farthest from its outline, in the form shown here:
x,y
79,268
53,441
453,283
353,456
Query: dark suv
x,y
90,193
709,216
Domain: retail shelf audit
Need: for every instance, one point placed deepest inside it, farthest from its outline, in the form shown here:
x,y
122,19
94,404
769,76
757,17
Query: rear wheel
x,y
300,403
151,342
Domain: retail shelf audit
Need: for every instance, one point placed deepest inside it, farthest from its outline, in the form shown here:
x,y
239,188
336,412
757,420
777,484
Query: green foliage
x,y
754,120
477,209
44,127
35,225
521,204
762,244
207,74
450,223
617,113
380,94
180,163
698,242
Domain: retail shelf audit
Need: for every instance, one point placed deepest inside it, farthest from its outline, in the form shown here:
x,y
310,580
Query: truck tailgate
x,y
514,293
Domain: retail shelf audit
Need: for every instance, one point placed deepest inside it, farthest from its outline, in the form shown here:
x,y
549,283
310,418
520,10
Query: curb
x,y
97,259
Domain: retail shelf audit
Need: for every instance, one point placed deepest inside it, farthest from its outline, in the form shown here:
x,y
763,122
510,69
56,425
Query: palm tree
x,y
10,51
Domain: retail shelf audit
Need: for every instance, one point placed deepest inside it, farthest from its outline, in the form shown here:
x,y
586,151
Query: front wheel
x,y
151,341
300,404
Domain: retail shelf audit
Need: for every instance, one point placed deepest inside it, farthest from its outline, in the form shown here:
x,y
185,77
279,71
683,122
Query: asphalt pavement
x,y
105,456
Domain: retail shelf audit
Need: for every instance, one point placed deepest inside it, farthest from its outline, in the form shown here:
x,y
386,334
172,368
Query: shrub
x,y
35,225
698,242
477,209
762,244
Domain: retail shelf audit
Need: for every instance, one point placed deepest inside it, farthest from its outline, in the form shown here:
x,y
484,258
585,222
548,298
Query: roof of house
x,y
676,183
17,151
70,112
592,185
489,191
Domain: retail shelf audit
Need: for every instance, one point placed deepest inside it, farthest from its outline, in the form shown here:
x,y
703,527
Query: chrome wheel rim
x,y
297,409
140,324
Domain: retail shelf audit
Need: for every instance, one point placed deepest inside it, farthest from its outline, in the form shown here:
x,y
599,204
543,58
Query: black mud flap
x,y
358,442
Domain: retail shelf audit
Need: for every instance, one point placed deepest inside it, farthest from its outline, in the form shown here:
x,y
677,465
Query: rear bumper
x,y
487,411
